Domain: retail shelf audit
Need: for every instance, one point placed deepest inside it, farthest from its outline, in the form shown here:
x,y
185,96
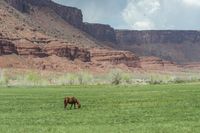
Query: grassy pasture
x,y
105,109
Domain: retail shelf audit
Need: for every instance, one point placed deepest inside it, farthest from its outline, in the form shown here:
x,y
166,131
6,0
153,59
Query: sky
x,y
140,14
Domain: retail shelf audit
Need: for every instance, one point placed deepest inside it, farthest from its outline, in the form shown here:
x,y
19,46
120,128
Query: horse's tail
x,y
65,102
65,99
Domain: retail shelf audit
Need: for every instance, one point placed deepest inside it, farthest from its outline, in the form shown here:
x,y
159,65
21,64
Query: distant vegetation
x,y
11,77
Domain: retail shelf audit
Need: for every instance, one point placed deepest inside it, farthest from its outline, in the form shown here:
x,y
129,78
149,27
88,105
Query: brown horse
x,y
72,101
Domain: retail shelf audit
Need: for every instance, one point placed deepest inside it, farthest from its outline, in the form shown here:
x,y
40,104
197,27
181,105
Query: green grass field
x,y
105,109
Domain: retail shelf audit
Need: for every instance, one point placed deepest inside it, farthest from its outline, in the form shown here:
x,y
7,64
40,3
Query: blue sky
x,y
140,14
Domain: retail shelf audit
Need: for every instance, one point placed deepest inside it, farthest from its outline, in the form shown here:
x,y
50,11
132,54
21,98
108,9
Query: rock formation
x,y
178,46
157,64
115,57
7,47
100,32
69,51
70,14
46,35
26,48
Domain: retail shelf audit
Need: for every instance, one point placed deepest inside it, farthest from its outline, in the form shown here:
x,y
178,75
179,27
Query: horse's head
x,y
78,104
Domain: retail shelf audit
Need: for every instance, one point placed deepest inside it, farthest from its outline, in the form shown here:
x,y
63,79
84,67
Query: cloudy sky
x,y
140,14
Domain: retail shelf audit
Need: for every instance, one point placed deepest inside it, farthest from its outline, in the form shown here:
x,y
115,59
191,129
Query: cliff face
x,y
115,57
178,46
67,51
26,48
164,37
7,48
21,5
70,14
151,63
100,32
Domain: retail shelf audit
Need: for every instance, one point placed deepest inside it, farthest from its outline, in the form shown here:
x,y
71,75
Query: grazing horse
x,y
72,101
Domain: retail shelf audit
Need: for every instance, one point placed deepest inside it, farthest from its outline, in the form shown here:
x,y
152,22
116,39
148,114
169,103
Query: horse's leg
x,y
74,105
71,106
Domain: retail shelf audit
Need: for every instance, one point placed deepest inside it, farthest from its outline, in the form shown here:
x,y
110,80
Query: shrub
x,y
179,80
71,79
85,78
33,77
127,78
116,76
4,79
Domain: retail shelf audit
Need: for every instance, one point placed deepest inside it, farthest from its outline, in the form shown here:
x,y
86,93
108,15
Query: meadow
x,y
172,108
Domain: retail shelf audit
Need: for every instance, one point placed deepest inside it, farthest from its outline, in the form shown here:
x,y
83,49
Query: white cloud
x,y
162,14
143,25
192,2
99,11
136,12
141,14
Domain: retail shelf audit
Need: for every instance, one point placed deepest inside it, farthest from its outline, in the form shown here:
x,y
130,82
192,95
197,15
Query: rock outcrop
x,y
29,49
177,46
156,36
157,64
7,47
70,14
21,5
26,48
115,57
69,51
101,32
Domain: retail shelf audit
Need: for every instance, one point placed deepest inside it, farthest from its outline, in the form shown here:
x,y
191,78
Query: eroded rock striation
x,y
29,49
69,51
115,57
26,48
157,64
7,47
177,46
157,36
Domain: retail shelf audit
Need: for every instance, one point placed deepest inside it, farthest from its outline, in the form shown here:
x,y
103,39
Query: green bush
x,y
71,78
179,80
4,79
33,77
127,78
116,76
85,78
